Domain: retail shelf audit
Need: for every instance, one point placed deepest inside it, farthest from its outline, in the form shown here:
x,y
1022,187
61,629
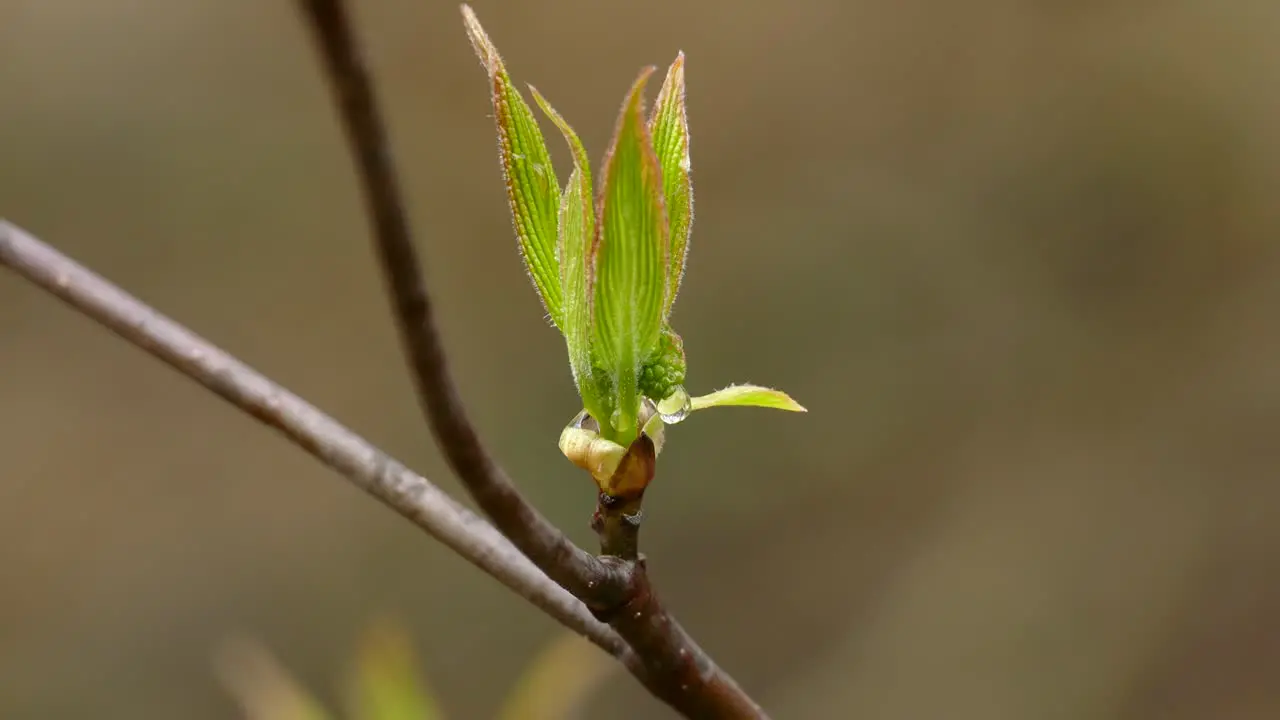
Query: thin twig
x,y
355,458
493,490
616,588
685,676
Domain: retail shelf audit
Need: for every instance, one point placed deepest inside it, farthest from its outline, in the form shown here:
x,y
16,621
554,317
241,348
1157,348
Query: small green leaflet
x,y
630,254
532,189
747,395
669,124
386,683
577,235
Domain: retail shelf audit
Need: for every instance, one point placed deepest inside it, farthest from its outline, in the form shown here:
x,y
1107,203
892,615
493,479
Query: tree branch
x,y
355,458
616,588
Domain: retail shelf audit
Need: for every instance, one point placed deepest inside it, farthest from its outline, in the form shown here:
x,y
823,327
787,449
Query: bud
x,y
608,264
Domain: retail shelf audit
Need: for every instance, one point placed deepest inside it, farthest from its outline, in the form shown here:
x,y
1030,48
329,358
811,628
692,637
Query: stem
x,y
692,681
617,523
620,503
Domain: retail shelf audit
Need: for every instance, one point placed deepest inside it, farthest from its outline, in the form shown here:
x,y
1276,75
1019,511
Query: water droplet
x,y
676,407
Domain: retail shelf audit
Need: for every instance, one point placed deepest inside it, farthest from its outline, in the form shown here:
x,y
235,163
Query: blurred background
x,y
1019,258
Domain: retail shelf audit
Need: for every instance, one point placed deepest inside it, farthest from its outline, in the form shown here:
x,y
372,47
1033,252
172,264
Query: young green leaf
x,y
558,682
748,395
532,189
669,124
577,233
385,684
262,686
630,255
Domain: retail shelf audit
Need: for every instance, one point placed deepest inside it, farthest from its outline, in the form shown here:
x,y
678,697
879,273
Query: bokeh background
x,y
1018,257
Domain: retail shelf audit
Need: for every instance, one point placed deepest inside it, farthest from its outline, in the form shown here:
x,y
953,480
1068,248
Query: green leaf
x,y
630,257
264,689
532,189
748,395
559,681
669,124
577,233
386,684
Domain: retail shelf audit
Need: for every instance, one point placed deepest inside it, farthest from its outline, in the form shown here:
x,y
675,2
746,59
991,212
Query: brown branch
x,y
688,678
355,458
615,587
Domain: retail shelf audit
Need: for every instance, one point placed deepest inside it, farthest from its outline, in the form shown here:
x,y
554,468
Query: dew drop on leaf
x,y
676,407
